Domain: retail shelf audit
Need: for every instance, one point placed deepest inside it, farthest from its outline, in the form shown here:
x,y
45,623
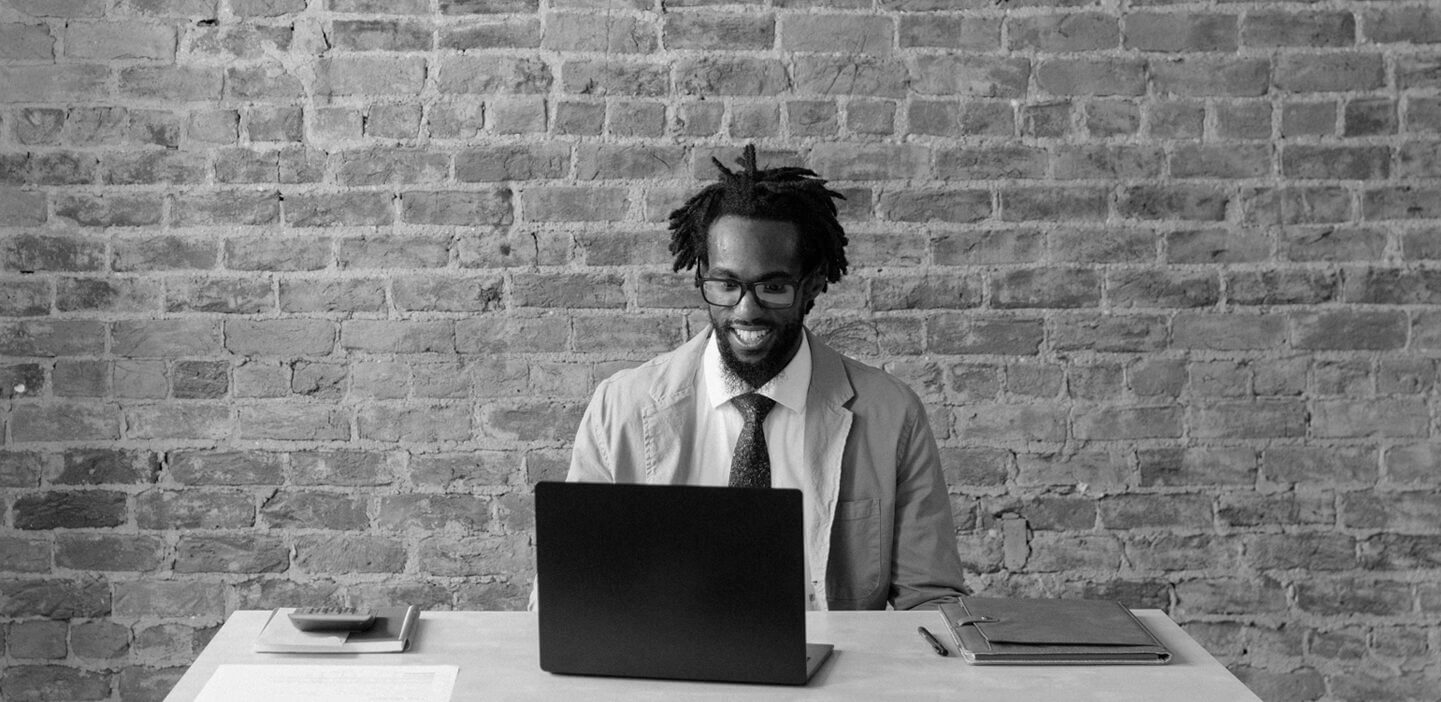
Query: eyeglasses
x,y
728,292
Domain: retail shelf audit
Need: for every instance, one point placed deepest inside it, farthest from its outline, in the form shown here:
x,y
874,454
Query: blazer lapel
x,y
827,427
669,420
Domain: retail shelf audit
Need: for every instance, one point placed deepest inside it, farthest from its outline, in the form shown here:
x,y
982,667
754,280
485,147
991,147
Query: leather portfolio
x,y
1050,632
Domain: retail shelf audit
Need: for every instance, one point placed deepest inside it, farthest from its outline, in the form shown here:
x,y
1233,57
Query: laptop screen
x,y
683,582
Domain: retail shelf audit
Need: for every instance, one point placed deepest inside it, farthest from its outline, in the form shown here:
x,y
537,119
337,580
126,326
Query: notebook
x,y
669,581
1050,632
391,633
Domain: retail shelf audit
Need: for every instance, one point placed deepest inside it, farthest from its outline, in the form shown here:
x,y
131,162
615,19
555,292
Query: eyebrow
x,y
727,273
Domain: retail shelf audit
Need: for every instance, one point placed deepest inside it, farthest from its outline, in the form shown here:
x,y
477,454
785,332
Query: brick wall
x,y
298,298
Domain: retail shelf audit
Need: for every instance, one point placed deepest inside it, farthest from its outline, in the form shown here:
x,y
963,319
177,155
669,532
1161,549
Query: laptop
x,y
671,581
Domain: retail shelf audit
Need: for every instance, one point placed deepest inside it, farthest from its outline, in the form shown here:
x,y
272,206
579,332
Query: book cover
x,y
391,633
1050,632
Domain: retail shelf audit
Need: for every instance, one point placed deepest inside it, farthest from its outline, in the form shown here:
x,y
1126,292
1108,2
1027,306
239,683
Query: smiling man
x,y
756,400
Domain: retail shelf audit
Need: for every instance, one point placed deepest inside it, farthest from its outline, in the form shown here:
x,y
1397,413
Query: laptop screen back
x,y
682,582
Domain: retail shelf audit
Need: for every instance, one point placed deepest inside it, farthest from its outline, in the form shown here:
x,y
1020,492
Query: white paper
x,y
341,683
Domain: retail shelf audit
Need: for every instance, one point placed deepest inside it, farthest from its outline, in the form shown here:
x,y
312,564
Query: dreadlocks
x,y
787,194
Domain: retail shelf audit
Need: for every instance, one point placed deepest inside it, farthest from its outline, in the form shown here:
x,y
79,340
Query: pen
x,y
941,650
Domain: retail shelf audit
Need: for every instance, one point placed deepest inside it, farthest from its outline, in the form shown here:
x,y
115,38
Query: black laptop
x,y
669,581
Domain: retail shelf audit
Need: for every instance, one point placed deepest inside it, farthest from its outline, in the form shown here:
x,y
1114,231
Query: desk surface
x,y
878,655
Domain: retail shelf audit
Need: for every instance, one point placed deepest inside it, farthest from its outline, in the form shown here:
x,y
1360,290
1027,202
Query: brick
x,y
390,166
385,251
1403,202
167,84
225,468
1192,467
293,422
1053,204
47,83
1231,596
52,338
986,247
1244,120
223,295
1353,596
726,75
1233,161
190,509
321,209
1118,245
22,555
1150,288
1119,422
1126,162
1372,117
1178,32
37,639
1393,286
116,552
871,116
1091,77
25,298
1182,202
492,75
507,163
530,420
574,204
21,380
1400,552
512,33
67,510
384,336
81,378
1302,30
449,294
848,34
169,598
1390,417
1078,31
1014,422
327,553
996,335
1349,163
608,33
1350,330
458,208
1183,552
943,206
949,32
1283,287
147,167
23,208
380,35
115,295
111,40
1057,552
340,468
1410,464
289,509
1303,205
701,31
270,81
107,466
507,248
1098,469
55,599
568,290
1211,76
970,76
1337,72
753,121
618,76
1417,25
1155,510
433,512
64,422
266,8
925,292
33,683
1046,288
636,118
26,42
366,75
495,335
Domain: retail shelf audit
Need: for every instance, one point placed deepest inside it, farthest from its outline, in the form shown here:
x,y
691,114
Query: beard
x,y
752,375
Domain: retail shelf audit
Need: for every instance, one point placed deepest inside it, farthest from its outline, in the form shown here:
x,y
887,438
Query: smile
x,y
749,338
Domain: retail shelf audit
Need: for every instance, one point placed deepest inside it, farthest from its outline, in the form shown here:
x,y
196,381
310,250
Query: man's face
x,y
756,342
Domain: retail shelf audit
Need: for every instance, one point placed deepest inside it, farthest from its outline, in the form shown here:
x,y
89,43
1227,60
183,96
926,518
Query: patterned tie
x,y
751,463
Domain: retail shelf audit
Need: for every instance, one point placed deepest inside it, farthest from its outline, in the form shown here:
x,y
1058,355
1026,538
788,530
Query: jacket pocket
x,y
855,568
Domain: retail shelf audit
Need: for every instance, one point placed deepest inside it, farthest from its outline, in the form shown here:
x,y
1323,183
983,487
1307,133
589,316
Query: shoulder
x,y
667,375
872,386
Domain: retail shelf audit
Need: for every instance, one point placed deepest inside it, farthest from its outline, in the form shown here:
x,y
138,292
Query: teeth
x,y
750,338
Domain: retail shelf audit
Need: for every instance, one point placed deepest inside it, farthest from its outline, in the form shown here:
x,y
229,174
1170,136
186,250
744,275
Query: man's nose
x,y
749,306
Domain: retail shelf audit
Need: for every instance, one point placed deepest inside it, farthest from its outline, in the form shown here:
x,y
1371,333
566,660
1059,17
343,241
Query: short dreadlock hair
x,y
785,194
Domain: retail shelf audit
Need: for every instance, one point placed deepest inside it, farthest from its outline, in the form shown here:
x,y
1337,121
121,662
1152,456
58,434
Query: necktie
x,y
751,463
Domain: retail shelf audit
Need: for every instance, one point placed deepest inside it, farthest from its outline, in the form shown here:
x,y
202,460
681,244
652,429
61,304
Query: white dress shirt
x,y
719,423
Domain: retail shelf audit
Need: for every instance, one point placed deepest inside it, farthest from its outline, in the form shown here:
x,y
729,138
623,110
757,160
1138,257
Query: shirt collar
x,y
788,388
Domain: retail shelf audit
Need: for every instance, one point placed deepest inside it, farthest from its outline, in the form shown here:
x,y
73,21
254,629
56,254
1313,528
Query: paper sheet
x,y
342,683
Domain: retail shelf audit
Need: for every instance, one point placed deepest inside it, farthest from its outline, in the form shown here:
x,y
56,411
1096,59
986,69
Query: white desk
x,y
878,655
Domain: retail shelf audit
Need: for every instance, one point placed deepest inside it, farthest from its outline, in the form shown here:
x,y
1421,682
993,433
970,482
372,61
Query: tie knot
x,y
754,406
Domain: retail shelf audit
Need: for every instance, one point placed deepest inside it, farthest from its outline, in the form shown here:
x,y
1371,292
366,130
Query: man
x,y
757,400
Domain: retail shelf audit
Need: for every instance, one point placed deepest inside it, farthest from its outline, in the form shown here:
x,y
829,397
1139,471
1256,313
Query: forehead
x,y
753,247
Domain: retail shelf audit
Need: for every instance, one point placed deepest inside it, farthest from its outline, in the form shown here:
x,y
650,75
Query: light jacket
x,y
882,528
